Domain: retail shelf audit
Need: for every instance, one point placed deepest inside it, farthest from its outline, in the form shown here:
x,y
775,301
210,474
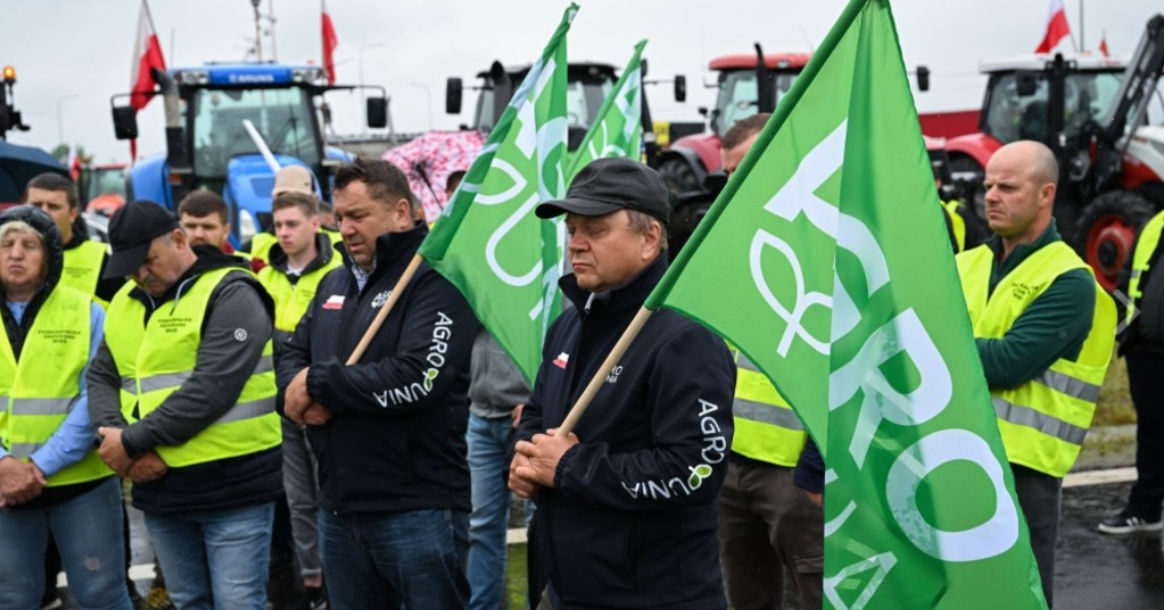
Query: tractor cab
x,y
587,85
738,96
229,126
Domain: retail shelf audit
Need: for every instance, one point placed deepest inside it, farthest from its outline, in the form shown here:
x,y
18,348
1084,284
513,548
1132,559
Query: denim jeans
x,y
88,532
489,440
215,558
412,560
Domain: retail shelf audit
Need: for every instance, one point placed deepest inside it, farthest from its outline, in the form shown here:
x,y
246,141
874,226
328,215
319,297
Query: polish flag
x,y
1057,27
74,163
329,43
1103,46
147,54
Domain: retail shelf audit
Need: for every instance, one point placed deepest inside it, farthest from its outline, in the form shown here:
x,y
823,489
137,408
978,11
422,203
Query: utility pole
x,y
271,25
258,31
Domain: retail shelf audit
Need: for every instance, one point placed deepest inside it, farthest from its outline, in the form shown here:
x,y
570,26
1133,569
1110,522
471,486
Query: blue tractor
x,y
208,144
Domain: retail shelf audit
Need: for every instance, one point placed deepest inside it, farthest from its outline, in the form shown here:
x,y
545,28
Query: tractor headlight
x,y
247,227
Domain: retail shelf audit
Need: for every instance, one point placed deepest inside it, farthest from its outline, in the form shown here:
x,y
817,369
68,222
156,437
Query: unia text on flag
x,y
1057,28
617,130
330,42
488,242
826,261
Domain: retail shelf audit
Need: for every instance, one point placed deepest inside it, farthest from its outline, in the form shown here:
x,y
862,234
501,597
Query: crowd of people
x,y
221,384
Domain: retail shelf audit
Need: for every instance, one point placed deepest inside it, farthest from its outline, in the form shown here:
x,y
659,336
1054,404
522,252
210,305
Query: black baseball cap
x,y
609,185
131,230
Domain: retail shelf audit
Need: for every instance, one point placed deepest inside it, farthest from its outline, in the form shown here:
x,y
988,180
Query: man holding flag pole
x,y
813,262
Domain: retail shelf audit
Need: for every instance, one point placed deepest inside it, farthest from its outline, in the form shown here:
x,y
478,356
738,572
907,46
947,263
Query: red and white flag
x,y
329,44
74,163
1103,46
1057,27
147,54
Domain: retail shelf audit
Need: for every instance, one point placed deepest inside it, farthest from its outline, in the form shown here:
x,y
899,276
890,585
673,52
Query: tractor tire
x,y
679,176
972,190
1107,230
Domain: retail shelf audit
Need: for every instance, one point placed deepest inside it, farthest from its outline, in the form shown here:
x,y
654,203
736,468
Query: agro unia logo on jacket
x,y
442,331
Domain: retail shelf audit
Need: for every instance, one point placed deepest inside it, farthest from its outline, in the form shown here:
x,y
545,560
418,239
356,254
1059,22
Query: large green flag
x,y
618,126
827,262
488,242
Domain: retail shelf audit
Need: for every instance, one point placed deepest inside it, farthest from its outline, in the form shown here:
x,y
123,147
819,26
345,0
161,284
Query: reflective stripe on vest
x,y
957,223
41,388
1043,421
766,428
82,267
1145,246
154,359
292,300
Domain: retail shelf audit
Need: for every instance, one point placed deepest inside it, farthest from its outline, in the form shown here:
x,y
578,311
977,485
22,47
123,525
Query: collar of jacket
x,y
1003,266
629,296
209,259
323,254
391,248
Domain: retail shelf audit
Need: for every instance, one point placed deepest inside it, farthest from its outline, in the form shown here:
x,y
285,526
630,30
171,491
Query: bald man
x,y
1044,329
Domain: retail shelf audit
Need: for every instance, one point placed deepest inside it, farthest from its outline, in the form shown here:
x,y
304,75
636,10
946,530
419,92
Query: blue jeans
x,y
215,558
407,560
489,440
88,532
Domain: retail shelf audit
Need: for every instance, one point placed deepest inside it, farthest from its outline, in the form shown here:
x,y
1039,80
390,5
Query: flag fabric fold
x,y
1057,28
488,242
617,130
826,261
147,55
330,42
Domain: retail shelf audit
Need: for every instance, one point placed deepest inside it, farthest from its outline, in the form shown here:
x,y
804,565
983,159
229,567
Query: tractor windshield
x,y
737,96
584,96
1011,117
282,116
104,181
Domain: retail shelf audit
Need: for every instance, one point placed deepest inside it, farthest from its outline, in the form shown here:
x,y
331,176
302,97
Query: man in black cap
x,y
627,507
182,396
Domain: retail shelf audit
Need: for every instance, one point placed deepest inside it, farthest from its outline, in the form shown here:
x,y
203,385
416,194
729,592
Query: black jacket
x,y
631,520
397,440
223,366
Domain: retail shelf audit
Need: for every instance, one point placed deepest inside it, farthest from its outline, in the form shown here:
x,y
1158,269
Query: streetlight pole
x,y
60,128
360,57
428,98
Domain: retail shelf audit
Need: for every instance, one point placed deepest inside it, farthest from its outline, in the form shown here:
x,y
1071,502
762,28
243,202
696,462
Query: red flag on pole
x,y
329,43
147,54
74,163
1103,46
1057,27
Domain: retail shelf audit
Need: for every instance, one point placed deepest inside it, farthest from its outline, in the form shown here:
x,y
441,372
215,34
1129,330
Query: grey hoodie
x,y
496,385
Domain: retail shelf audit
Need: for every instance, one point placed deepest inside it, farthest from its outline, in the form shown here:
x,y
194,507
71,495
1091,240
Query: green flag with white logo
x,y
503,258
827,262
618,127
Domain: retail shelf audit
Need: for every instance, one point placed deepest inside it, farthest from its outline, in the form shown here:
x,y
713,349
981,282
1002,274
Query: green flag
x,y
618,127
826,260
503,258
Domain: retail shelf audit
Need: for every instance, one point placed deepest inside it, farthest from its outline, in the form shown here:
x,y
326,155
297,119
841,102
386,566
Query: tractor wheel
x,y
969,175
679,176
1107,232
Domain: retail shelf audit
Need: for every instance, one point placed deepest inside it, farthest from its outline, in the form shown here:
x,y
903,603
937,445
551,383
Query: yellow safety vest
x,y
82,268
1149,239
766,428
1043,421
292,300
261,245
40,389
957,223
153,359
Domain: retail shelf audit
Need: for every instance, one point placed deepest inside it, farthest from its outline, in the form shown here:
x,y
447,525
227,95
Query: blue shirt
x,y
73,439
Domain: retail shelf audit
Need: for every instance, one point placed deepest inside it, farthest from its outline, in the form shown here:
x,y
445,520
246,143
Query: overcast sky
x,y
72,55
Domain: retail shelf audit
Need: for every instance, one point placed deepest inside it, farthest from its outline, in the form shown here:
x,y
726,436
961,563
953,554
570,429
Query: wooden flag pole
x,y
382,315
583,402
